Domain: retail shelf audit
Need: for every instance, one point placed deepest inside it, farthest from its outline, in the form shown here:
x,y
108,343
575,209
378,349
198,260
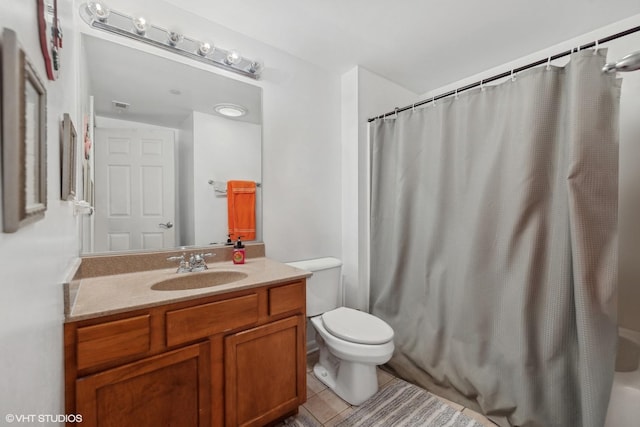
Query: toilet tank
x,y
324,287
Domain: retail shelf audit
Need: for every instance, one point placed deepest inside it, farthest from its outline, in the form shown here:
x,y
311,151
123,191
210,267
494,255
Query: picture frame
x,y
68,149
23,138
50,36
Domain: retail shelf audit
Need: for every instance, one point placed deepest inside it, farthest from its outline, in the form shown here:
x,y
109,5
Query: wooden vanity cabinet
x,y
170,389
262,372
235,359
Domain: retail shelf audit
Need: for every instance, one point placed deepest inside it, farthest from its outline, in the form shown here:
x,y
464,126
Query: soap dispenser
x,y
238,252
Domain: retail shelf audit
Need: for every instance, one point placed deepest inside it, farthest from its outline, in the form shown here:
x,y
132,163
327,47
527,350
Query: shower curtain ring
x,y
456,94
595,50
396,112
482,85
413,107
549,63
433,101
513,76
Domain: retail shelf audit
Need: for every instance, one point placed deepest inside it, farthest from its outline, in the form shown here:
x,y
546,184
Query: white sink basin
x,y
205,279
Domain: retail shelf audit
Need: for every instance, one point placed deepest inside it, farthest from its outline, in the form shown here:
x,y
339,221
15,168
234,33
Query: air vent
x,y
119,105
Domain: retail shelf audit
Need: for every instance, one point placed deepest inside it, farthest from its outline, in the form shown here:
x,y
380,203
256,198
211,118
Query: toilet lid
x,y
356,326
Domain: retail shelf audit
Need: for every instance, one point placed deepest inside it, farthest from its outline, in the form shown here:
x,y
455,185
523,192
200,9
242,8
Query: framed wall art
x,y
50,36
68,148
24,145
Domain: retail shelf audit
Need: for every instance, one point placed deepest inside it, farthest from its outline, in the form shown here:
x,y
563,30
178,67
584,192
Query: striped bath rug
x,y
399,404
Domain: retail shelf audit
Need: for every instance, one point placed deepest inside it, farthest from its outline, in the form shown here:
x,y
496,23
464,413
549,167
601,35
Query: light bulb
x,y
256,66
204,49
230,110
99,10
140,25
232,58
174,38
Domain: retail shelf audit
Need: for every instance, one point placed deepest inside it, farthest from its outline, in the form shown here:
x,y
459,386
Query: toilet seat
x,y
356,326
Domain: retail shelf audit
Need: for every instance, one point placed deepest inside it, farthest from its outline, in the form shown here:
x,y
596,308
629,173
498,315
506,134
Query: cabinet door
x,y
171,389
265,372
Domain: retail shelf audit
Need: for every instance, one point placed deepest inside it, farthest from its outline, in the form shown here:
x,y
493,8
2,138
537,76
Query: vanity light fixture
x,y
233,58
97,15
204,49
98,10
256,66
174,38
140,25
230,110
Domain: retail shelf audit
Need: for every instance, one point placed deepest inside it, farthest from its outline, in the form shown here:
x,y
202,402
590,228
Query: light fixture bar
x,y
122,24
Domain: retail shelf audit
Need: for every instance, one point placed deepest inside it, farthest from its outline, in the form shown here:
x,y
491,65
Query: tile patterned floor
x,y
328,409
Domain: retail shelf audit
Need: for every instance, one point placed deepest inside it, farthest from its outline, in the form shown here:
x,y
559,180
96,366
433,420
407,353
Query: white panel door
x,y
134,189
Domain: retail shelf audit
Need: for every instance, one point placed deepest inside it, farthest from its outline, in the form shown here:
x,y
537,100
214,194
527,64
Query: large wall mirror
x,y
158,154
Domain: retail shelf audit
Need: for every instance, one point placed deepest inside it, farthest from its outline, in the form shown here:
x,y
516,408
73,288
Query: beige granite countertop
x,y
104,295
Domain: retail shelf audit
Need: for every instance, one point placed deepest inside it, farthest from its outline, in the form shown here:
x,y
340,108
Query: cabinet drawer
x,y
192,323
283,299
112,340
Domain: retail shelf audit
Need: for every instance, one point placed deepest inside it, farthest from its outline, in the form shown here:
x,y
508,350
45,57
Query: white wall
x,y
224,150
301,162
36,259
110,122
85,109
351,216
364,94
185,194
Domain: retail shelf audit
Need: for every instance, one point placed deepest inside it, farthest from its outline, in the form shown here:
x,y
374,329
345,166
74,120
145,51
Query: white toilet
x,y
351,342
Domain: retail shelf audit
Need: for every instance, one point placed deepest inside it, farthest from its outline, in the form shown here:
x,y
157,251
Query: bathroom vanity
x,y
231,354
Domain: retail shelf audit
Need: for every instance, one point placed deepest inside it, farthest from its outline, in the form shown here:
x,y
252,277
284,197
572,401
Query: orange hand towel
x,y
241,205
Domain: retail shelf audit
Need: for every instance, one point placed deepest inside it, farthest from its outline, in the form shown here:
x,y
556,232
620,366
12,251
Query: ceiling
x,y
419,44
148,83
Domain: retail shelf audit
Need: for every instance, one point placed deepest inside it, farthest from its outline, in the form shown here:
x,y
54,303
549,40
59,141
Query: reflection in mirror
x,y
161,155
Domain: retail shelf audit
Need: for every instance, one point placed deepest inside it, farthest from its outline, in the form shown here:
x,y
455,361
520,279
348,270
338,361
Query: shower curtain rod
x,y
507,73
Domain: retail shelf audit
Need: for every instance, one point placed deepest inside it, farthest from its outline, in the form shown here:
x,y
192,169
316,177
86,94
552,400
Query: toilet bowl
x,y
349,368
351,342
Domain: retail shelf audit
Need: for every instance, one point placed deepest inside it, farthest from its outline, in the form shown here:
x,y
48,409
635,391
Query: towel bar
x,y
212,182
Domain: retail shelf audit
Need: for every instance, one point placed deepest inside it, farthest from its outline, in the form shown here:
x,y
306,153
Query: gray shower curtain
x,y
494,246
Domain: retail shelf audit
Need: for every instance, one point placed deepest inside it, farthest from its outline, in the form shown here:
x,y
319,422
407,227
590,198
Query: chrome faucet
x,y
196,262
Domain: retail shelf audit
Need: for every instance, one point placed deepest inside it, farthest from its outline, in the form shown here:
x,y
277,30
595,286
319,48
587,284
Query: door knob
x,y
168,225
